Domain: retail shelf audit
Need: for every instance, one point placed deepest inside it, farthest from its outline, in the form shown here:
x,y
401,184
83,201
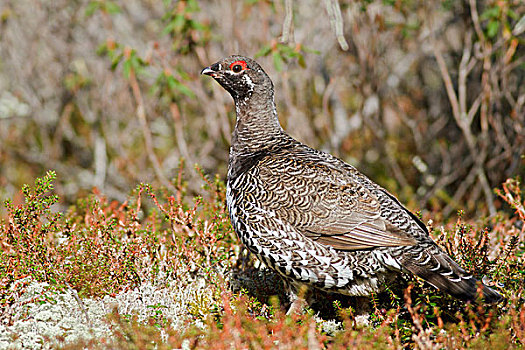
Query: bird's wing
x,y
327,205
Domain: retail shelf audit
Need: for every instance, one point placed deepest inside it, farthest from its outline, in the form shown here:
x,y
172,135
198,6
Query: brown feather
x,y
342,213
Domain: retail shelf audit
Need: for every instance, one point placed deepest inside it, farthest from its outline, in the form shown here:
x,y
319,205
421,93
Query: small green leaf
x,y
178,21
171,83
115,61
91,8
126,68
308,50
491,12
277,61
197,25
112,8
301,61
512,14
184,89
492,28
263,52
102,50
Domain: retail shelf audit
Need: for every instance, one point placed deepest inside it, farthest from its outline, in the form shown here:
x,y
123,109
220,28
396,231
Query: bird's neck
x,y
257,124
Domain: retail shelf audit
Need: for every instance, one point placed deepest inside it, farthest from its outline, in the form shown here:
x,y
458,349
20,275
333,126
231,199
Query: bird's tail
x,y
438,269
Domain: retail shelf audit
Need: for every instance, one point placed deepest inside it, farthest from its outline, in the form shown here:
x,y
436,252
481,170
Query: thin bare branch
x,y
146,132
475,20
463,73
336,21
448,83
288,22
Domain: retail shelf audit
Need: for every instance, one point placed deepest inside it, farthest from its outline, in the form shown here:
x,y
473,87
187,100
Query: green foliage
x,y
129,58
186,33
106,6
167,84
27,231
88,255
282,53
499,15
101,247
180,25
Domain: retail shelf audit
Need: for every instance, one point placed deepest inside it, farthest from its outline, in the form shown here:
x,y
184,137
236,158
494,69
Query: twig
x,y
475,20
464,119
80,304
146,132
463,73
336,21
449,174
474,109
288,21
179,131
101,159
448,84
484,108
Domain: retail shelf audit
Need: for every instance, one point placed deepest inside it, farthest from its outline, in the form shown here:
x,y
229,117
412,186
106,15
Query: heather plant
x,y
100,247
100,251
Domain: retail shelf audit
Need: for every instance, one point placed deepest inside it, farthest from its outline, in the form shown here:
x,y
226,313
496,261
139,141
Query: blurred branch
x,y
456,112
179,131
475,20
146,132
464,118
288,21
462,75
101,160
336,21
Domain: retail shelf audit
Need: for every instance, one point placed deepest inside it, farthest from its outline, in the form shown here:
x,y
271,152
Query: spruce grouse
x,y
313,218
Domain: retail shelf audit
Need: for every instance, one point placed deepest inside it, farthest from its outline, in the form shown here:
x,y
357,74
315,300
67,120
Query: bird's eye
x,y
238,66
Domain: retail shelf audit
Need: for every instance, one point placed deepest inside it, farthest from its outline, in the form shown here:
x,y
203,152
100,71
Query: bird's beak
x,y
208,71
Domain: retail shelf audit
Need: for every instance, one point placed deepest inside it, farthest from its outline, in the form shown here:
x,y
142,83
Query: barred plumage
x,y
313,218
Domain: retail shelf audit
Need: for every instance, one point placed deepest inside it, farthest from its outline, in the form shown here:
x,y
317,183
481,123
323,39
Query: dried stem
x,y
464,117
288,21
146,132
336,21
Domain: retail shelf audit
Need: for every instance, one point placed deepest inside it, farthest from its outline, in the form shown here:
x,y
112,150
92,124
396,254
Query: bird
x,y
314,219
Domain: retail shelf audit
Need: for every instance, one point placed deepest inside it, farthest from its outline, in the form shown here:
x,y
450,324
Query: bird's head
x,y
241,76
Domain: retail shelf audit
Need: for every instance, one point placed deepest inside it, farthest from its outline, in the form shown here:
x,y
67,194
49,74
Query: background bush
x,y
427,98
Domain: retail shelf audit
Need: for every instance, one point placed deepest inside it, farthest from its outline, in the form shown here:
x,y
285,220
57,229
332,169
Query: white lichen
x,y
43,317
